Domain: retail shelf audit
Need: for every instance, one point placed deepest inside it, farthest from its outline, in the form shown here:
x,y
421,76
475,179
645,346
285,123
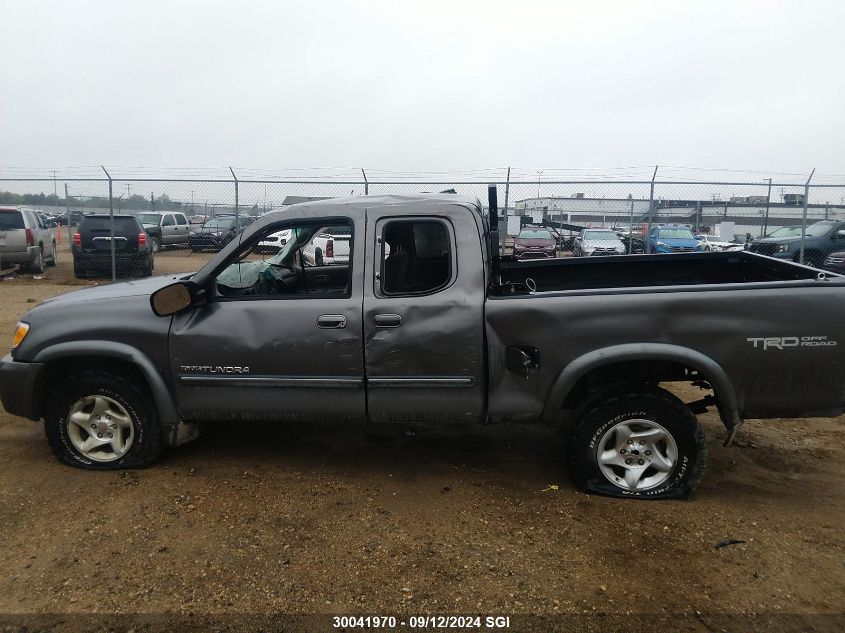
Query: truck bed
x,y
634,271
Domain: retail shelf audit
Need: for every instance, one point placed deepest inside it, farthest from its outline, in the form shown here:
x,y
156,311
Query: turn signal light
x,y
20,333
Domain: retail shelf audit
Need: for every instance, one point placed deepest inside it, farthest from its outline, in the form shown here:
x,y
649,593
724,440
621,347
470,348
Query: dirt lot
x,y
259,520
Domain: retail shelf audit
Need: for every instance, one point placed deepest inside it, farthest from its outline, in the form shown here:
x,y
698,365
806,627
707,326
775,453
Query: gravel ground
x,y
261,519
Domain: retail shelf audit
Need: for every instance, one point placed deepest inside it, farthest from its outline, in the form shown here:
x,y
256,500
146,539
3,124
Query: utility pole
x,y
55,193
128,185
152,202
366,182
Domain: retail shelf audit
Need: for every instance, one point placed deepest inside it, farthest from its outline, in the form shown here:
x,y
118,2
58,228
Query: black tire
x,y
318,257
54,258
649,403
813,259
147,445
155,245
78,271
195,249
37,266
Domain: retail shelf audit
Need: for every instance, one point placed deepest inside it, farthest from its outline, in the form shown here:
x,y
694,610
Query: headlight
x,y
781,248
20,333
661,244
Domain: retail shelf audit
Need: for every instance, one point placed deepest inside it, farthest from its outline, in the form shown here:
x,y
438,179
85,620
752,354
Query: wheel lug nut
x,y
100,435
648,452
98,417
639,461
623,451
108,417
110,436
114,426
628,461
93,426
630,442
642,442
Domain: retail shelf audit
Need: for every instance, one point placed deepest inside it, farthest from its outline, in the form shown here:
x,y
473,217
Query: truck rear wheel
x,y
102,421
644,444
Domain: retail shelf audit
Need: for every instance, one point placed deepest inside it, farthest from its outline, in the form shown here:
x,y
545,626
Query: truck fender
x,y
168,415
726,400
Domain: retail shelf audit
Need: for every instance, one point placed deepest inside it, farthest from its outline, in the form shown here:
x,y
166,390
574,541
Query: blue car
x,y
673,239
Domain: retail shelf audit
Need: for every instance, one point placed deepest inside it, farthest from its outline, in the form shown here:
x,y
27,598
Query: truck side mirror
x,y
171,299
840,234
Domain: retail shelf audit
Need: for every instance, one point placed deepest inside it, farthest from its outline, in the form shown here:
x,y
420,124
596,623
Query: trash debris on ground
x,y
728,541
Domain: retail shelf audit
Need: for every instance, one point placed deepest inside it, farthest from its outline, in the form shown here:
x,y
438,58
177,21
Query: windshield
x,y
675,234
149,218
786,231
220,223
818,229
600,235
535,234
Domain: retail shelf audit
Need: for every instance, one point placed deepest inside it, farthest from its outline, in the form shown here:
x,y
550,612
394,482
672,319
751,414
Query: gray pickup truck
x,y
424,323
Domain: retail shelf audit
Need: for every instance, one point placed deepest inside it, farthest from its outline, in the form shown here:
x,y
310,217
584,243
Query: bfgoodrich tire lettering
x,y
146,444
661,410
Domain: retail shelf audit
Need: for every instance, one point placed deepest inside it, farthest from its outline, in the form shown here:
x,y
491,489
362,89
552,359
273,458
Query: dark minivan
x,y
92,247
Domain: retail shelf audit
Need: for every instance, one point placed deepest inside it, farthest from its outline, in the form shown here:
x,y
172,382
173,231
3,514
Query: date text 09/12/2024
x,y
422,622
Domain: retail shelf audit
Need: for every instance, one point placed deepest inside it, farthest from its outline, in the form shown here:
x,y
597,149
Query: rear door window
x,y
10,220
416,257
180,219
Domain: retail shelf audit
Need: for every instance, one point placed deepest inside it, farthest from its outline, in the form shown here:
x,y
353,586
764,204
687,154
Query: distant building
x,y
796,199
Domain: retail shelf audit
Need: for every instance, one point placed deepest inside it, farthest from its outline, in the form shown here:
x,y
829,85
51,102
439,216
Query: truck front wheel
x,y
102,421
645,444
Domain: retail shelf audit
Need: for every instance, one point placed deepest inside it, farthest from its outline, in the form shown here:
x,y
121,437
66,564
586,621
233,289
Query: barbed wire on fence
x,y
733,203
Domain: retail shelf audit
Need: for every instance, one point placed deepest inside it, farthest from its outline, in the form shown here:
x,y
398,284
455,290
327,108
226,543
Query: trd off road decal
x,y
783,342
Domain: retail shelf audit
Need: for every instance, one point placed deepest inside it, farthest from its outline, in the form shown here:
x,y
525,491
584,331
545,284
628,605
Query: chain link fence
x,y
132,214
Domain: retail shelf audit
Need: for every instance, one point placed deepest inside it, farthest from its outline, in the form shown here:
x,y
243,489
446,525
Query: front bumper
x,y
206,240
534,254
18,383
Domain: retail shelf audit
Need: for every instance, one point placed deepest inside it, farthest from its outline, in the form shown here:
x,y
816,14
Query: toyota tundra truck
x,y
424,323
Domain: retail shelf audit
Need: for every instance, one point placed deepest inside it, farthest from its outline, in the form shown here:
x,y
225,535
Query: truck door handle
x,y
388,320
331,321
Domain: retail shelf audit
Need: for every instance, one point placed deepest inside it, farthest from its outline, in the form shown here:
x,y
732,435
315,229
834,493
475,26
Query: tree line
x,y
135,201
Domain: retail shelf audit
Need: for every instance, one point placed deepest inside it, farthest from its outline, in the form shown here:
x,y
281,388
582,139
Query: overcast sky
x,y
424,85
